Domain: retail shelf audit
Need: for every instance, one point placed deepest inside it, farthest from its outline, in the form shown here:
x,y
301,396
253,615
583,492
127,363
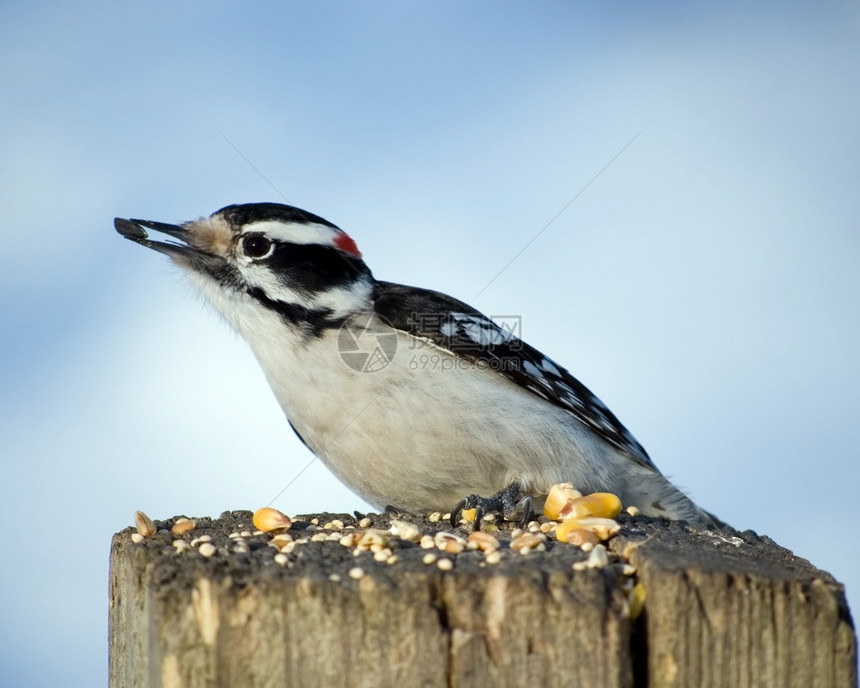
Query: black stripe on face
x,y
312,268
314,323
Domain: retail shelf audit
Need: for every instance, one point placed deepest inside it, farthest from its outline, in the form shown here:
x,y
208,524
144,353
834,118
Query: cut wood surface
x,y
722,609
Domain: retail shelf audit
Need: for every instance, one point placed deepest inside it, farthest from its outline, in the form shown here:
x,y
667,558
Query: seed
x,y
136,537
636,600
598,558
427,542
280,541
268,519
356,572
428,558
319,537
600,504
445,564
144,524
181,545
468,515
372,537
405,530
207,549
579,536
633,510
557,497
493,557
603,528
364,523
449,542
483,541
382,555
392,559
334,577
348,540
281,558
435,517
526,541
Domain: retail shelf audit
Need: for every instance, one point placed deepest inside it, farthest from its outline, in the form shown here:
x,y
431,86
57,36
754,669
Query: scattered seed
x,y
373,537
268,519
207,549
525,541
557,497
181,545
633,510
356,572
364,523
449,542
636,600
429,558
136,537
435,517
598,558
493,557
348,540
483,541
392,559
427,542
144,524
580,536
597,504
335,577
445,564
405,530
282,559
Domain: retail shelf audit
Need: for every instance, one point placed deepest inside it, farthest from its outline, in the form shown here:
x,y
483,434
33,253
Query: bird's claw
x,y
510,503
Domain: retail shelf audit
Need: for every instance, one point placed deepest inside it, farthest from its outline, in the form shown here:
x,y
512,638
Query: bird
x,y
412,398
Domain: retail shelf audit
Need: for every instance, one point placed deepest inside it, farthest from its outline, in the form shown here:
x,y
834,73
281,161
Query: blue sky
x,y
705,285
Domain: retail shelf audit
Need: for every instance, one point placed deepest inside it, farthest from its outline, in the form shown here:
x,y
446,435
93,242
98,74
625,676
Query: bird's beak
x,y
135,230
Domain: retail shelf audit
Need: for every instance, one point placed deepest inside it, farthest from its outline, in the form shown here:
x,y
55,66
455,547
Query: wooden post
x,y
722,609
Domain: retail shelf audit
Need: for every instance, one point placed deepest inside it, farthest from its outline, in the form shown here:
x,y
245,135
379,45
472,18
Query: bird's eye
x,y
256,246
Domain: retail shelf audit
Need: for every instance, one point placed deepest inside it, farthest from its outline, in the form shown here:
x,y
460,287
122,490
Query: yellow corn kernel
x,y
602,528
636,600
599,504
579,536
559,495
468,515
268,519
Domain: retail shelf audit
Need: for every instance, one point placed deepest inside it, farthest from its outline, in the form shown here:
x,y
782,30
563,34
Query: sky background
x,y
706,285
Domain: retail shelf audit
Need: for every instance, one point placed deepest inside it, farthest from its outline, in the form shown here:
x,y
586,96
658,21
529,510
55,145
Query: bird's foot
x,y
512,503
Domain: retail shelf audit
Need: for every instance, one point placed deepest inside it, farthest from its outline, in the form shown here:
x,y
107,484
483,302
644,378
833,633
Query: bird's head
x,y
266,257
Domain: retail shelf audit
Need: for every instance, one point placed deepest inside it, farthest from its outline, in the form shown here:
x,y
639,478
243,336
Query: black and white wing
x,y
453,325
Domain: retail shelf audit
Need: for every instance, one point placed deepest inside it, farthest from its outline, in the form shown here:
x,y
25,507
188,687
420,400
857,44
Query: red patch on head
x,y
344,242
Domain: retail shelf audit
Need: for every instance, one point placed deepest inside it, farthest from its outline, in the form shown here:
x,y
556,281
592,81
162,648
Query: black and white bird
x,y
412,398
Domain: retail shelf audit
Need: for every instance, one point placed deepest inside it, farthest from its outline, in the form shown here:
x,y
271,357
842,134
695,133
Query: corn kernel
x,y
599,504
559,495
602,528
636,600
580,536
268,519
467,515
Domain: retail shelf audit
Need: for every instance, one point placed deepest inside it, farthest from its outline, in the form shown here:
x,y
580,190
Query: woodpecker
x,y
412,398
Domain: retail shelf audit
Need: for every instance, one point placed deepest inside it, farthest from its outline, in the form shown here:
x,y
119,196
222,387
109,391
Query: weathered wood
x,y
733,609
718,612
